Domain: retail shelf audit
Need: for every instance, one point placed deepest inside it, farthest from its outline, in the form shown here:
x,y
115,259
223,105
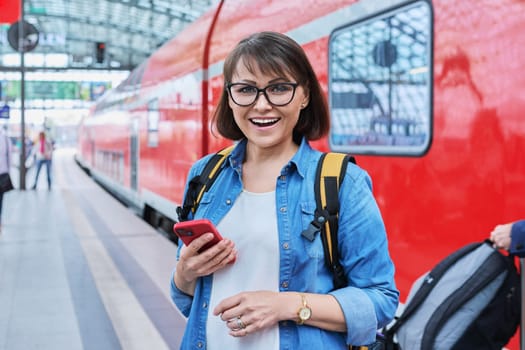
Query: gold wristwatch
x,y
304,312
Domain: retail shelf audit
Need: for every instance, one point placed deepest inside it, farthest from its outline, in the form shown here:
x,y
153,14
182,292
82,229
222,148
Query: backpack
x,y
470,300
330,172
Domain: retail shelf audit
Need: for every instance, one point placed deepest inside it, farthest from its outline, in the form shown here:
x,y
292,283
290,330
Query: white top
x,y
252,225
5,152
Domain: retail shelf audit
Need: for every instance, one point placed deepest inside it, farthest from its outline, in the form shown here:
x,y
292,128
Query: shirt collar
x,y
302,158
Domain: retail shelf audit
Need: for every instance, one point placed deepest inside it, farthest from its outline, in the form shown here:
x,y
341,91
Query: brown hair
x,y
273,52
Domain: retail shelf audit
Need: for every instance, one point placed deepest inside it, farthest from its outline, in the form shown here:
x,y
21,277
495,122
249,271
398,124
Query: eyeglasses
x,y
278,94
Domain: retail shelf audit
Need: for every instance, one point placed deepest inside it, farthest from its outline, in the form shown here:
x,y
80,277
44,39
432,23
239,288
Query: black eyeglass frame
x,y
263,90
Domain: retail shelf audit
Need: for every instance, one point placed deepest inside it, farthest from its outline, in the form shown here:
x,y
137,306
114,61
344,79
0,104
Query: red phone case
x,y
187,231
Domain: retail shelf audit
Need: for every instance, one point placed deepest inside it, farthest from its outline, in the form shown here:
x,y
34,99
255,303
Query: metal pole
x,y
522,324
22,100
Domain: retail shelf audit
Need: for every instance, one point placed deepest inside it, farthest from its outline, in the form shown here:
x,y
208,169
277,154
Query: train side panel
x,y
159,125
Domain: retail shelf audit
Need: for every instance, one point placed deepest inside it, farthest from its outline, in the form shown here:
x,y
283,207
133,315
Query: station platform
x,y
79,270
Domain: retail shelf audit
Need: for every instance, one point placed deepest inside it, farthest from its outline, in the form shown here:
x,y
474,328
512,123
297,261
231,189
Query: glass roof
x,y
128,30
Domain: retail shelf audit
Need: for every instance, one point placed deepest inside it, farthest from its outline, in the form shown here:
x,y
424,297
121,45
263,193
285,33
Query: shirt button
x,y
284,284
283,209
286,246
199,344
204,305
228,201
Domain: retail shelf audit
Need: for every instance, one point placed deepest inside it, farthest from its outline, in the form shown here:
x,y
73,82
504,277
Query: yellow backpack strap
x,y
202,183
330,173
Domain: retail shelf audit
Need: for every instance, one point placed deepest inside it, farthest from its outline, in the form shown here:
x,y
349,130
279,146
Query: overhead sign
x,y
9,11
4,112
55,90
30,39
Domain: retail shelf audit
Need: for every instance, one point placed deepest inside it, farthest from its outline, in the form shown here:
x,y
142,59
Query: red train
x,y
429,97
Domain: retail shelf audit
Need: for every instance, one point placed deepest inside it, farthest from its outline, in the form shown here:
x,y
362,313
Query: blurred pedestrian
x,y
44,155
5,165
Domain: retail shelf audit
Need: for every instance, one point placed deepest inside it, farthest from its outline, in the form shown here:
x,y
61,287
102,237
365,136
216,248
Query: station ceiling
x,y
128,30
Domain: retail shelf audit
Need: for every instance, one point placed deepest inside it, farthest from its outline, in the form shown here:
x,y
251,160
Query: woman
x,y
265,286
44,156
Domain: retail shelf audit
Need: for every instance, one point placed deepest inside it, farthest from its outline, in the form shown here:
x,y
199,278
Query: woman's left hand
x,y
249,312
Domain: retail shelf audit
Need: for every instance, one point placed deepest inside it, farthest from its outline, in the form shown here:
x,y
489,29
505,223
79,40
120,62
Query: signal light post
x,y
100,52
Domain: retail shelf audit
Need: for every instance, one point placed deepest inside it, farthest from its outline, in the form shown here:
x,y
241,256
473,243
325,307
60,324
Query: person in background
x,y
5,163
266,286
44,155
510,236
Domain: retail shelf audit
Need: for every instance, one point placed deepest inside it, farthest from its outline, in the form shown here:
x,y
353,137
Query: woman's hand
x,y
192,264
500,235
249,312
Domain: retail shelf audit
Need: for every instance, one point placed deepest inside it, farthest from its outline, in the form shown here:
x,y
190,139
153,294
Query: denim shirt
x,y
370,299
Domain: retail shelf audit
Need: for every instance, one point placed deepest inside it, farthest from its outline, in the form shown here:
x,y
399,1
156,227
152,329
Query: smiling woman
x,y
273,106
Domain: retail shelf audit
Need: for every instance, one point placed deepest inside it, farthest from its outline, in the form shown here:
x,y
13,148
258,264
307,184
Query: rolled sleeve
x,y
371,298
182,300
360,316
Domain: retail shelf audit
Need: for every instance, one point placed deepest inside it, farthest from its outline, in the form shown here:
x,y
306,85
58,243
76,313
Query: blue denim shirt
x,y
371,298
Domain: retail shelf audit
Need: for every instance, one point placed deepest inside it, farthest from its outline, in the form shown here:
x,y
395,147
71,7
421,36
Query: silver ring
x,y
240,324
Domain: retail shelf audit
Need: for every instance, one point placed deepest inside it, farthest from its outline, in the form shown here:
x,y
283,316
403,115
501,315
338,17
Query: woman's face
x,y
266,125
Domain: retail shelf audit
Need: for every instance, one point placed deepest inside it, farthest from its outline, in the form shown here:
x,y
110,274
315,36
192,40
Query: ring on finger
x,y
240,324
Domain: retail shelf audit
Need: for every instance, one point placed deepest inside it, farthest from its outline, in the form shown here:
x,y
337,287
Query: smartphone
x,y
187,231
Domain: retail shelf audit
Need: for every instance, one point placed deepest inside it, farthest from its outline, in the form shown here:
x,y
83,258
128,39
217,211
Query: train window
x,y
380,83
153,123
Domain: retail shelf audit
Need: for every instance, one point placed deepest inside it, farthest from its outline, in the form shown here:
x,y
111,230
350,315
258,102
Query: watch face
x,y
305,313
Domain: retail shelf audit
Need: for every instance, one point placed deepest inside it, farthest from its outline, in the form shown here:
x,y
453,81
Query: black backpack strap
x,y
330,173
202,183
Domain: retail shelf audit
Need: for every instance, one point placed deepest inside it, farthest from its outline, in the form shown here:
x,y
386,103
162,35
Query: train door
x,y
134,154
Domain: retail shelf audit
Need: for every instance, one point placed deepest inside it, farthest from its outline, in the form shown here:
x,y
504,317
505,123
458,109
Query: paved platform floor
x,y
78,270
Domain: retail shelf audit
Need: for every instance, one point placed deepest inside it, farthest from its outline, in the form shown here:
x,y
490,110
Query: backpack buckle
x,y
316,225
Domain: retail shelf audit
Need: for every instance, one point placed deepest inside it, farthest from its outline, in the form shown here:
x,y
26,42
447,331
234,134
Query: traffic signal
x,y
100,52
